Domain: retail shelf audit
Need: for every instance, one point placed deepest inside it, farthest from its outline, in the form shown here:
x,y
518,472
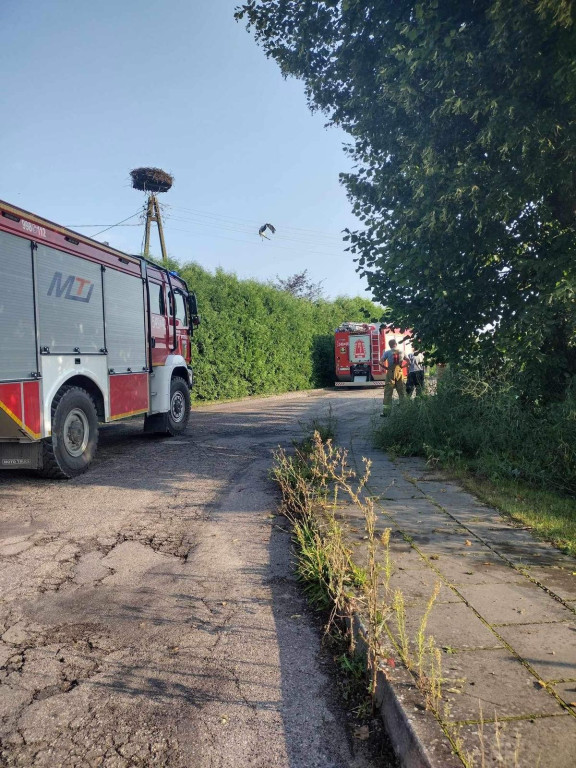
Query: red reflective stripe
x,y
11,399
32,406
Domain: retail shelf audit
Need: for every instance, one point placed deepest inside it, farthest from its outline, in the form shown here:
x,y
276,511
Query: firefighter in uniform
x,y
392,361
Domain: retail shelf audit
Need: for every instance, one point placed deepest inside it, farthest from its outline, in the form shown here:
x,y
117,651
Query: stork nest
x,y
151,179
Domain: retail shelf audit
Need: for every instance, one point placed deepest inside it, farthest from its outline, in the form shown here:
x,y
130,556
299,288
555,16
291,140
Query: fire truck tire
x,y
72,446
179,407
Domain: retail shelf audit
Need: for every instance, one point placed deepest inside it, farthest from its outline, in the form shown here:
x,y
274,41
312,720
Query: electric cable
x,y
110,226
233,220
291,249
300,243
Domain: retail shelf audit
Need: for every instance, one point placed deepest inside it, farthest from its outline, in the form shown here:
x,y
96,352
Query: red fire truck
x,y
88,334
358,349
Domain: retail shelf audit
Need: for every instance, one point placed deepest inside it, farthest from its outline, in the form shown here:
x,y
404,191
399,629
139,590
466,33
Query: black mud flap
x,y
21,455
158,422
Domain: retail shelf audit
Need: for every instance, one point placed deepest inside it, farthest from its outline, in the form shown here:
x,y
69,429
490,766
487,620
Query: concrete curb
x,y
417,738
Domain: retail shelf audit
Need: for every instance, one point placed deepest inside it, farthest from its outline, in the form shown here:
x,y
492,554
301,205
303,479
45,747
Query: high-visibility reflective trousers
x,y
394,381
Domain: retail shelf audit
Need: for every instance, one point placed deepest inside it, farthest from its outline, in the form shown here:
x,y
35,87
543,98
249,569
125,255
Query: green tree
x,y
462,118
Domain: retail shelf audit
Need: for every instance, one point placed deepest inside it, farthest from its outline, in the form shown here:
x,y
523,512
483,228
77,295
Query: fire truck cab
x,y
88,335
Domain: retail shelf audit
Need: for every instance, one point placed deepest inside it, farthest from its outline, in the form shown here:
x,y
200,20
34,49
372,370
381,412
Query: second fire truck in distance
x,y
358,348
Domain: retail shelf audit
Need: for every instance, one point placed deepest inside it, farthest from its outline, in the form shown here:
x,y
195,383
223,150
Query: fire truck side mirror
x,y
193,310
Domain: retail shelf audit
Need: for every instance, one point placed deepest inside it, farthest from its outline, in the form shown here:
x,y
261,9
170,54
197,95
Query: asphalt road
x,y
149,615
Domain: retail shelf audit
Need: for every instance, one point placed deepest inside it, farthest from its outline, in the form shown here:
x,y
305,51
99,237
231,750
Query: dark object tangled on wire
x,y
151,179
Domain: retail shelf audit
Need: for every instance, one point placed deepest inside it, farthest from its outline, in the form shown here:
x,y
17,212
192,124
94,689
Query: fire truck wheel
x,y
179,406
72,446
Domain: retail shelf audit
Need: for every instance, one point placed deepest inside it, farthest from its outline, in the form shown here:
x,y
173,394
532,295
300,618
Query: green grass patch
x,y
517,456
549,515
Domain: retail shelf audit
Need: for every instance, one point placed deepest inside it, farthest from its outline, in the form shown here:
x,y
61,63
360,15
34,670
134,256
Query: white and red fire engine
x,y
88,334
358,348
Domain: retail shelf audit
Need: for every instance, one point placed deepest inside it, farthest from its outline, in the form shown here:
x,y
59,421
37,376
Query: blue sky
x,y
92,90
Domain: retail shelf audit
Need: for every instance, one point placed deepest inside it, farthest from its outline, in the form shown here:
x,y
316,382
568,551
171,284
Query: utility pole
x,y
153,215
152,181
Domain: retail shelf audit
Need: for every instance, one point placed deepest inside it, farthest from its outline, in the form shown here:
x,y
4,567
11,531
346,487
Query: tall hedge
x,y
255,339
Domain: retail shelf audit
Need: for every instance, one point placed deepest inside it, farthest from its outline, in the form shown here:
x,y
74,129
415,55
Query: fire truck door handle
x,y
152,342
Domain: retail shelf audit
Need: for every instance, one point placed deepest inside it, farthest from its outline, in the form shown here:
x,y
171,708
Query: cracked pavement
x,y
149,615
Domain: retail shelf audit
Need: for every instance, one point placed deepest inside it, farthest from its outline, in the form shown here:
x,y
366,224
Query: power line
x,y
85,226
253,224
108,226
294,239
302,242
138,213
274,246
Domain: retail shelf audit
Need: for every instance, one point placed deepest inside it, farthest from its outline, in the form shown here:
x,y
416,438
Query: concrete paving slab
x,y
419,521
474,569
451,499
409,561
567,692
549,649
417,585
457,506
441,530
418,506
402,555
475,515
451,541
514,603
432,487
506,535
386,492
400,542
544,742
535,553
561,581
495,684
490,529
453,625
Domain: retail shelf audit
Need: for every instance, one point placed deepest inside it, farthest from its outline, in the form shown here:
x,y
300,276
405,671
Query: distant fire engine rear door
x,y
360,352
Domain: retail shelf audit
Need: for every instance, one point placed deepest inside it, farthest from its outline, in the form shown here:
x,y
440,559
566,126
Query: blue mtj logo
x,y
73,287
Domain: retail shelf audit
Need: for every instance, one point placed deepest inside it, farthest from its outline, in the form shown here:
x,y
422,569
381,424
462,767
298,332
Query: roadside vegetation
x,y
315,480
317,485
515,453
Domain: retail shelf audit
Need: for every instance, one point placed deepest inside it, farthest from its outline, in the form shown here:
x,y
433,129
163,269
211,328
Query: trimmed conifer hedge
x,y
255,339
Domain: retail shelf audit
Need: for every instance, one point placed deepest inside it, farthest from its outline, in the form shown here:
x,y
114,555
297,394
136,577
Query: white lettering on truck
x,y
33,229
